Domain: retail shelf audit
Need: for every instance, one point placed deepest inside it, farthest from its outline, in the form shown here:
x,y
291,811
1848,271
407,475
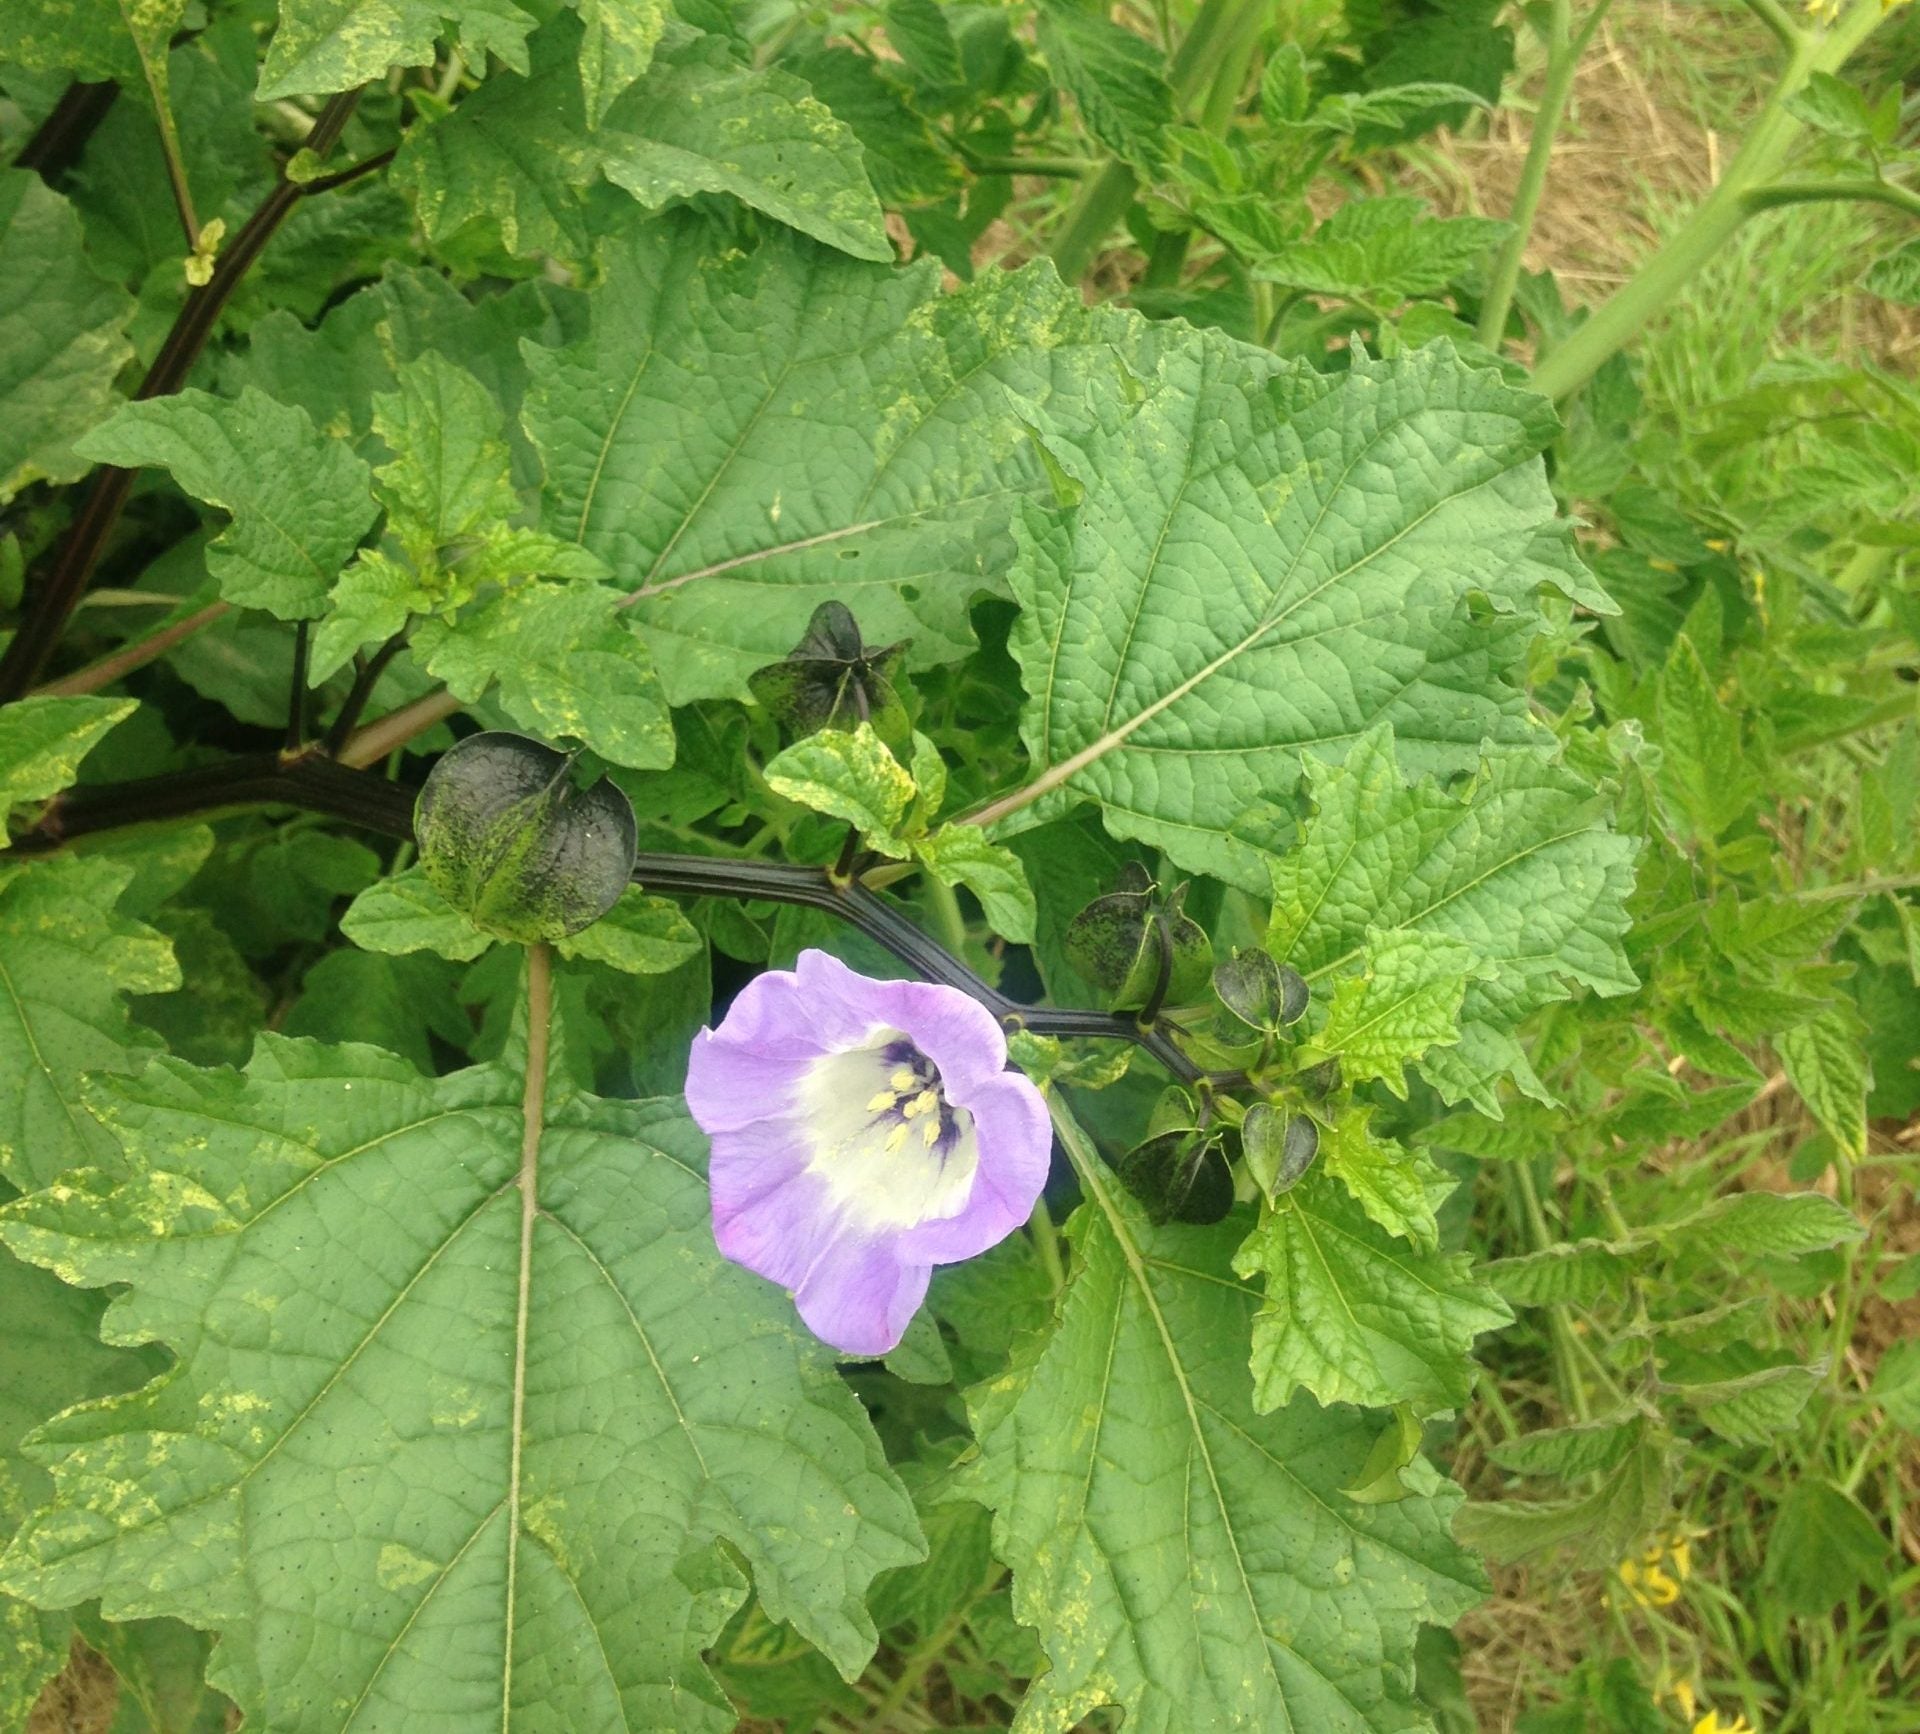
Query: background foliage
x,y
1258,455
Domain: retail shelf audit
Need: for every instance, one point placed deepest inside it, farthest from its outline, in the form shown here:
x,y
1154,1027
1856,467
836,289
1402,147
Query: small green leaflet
x,y
1767,1224
1383,250
1519,869
1116,78
43,740
334,1481
1405,1001
403,913
1265,562
1157,1525
705,379
1826,1061
62,335
300,502
519,151
1755,1408
1353,1316
322,46
560,663
1400,1189
67,960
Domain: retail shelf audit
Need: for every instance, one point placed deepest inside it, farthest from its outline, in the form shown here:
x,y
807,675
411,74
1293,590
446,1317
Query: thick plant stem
x,y
1773,134
1564,49
532,1116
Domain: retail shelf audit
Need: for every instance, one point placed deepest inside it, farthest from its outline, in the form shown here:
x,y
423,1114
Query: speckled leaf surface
x,y
1180,1555
43,740
67,961
741,440
322,46
1265,562
300,502
62,335
332,1476
1520,867
1354,1315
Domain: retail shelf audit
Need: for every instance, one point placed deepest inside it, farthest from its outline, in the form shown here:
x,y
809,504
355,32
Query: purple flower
x,y
863,1132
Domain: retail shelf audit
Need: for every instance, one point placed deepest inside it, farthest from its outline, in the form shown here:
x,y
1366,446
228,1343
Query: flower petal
x,y
859,1297
1015,1142
951,1028
769,1213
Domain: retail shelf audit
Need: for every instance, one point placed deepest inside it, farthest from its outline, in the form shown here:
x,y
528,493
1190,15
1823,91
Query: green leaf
x,y
1279,1603
1566,1452
850,775
1895,276
700,123
1266,562
322,46
1823,1546
1756,1408
161,1668
1518,868
403,913
1354,1317
1580,1271
702,379
66,960
92,39
62,335
1602,1526
566,668
961,855
450,476
639,935
1826,1062
1405,1000
43,740
617,41
1703,767
51,1357
517,151
1383,251
1771,1224
451,1423
905,158
1400,1189
1896,1385
1832,106
1116,79
300,502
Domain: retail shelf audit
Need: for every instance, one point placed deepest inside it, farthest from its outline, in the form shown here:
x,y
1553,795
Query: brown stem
x,y
58,594
372,744
137,655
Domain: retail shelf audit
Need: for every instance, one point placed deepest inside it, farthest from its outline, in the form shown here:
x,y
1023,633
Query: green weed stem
x,y
1769,140
1564,49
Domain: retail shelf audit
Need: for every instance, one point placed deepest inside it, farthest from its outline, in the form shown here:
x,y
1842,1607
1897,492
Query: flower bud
x,y
512,841
1262,994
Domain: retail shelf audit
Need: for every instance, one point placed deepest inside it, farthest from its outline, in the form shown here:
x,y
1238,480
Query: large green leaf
x,y
519,151
43,740
300,502
94,39
67,959
1265,562
455,1438
62,335
741,440
1518,868
1182,1556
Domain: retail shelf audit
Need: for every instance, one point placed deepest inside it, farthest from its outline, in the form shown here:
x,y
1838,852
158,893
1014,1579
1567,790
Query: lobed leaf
x,y
398,1506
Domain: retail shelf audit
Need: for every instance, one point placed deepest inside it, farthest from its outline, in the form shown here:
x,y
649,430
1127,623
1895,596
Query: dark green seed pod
x,y
1262,994
1139,948
1180,1176
832,679
509,839
1278,1149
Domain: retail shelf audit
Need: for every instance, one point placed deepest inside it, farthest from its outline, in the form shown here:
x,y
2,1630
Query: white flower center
x,y
890,1147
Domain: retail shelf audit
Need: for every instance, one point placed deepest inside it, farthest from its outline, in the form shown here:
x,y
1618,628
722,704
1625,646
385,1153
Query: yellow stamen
x,y
896,1138
924,1103
931,1132
882,1102
903,1081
